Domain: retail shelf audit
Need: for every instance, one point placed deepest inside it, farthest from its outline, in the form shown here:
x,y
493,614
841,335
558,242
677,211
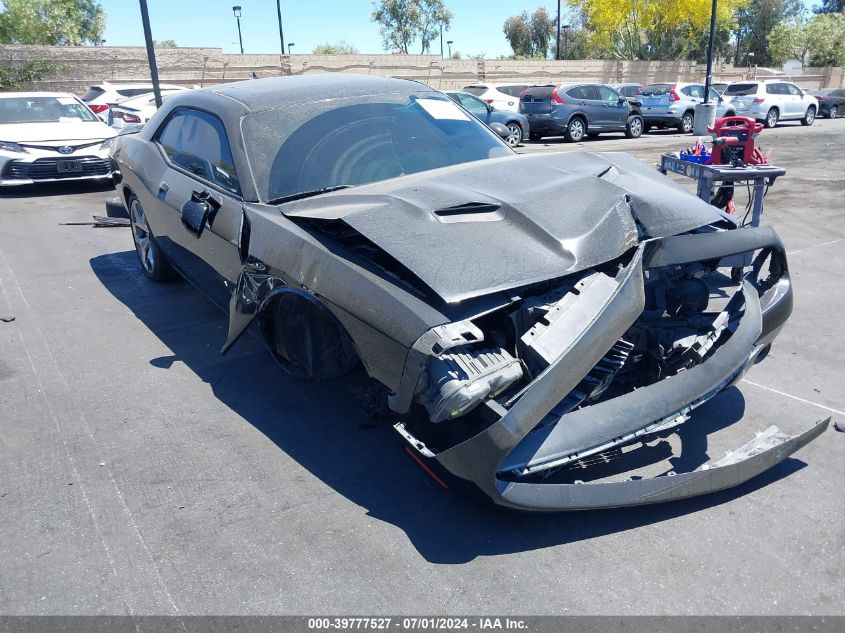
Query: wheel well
x,y
515,122
730,113
633,112
320,349
126,193
812,107
692,112
581,116
775,108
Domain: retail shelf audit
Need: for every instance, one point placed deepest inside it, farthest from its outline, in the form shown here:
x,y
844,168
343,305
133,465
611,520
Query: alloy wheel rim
x,y
834,111
773,119
576,130
141,236
688,124
515,135
636,127
811,115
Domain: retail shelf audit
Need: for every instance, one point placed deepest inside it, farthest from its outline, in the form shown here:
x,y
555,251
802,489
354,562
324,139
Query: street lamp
x,y
449,44
281,32
291,45
237,11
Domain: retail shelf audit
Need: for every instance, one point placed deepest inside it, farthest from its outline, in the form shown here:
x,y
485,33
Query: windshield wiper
x,y
306,194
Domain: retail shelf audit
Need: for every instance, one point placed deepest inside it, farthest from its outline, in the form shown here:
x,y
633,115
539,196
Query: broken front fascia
x,y
506,447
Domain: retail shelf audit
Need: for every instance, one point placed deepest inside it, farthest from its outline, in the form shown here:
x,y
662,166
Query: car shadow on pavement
x,y
58,188
321,427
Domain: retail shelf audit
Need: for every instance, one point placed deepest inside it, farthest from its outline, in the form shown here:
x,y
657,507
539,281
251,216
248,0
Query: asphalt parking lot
x,y
143,473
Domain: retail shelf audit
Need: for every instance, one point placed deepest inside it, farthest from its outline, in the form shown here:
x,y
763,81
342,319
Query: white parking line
x,y
806,248
789,395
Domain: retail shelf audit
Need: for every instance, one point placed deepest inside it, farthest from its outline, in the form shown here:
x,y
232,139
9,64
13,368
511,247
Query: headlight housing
x,y
107,143
462,378
9,146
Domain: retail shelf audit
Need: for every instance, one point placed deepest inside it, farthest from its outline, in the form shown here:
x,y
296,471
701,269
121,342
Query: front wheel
x,y
687,123
575,131
514,134
634,126
153,262
809,116
772,117
833,112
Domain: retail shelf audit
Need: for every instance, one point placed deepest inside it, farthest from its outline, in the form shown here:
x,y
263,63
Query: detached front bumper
x,y
501,459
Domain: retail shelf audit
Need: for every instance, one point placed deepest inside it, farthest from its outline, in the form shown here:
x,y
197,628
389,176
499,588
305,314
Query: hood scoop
x,y
470,212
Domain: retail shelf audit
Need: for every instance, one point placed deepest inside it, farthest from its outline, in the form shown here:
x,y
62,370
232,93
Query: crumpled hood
x,y
481,227
58,131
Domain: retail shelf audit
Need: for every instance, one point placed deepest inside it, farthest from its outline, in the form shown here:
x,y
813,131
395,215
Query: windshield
x,y
360,140
657,90
43,110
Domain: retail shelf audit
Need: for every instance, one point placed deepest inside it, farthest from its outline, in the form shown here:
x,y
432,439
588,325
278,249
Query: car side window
x,y
696,92
714,96
774,89
476,106
794,90
591,92
196,141
607,94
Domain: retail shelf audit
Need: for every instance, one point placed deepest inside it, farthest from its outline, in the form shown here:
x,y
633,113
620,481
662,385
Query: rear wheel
x,y
634,126
687,123
833,112
646,128
153,262
575,130
772,117
514,134
809,116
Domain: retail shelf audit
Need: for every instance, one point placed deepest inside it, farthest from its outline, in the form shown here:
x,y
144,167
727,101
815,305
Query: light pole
x,y
557,46
709,78
281,32
237,11
290,46
565,28
441,40
449,44
151,53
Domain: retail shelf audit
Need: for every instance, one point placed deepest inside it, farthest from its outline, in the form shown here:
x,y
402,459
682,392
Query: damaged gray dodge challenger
x,y
534,325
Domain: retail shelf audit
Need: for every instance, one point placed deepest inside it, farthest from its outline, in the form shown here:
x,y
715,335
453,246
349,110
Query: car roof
x,y
273,92
6,95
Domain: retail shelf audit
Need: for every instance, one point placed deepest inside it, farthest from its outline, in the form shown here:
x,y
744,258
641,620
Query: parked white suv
x,y
500,96
99,97
772,100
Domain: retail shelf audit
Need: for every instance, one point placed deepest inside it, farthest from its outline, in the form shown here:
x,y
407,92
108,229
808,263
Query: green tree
x,y
21,77
517,31
164,43
434,19
787,41
830,6
400,22
341,48
529,35
56,22
821,40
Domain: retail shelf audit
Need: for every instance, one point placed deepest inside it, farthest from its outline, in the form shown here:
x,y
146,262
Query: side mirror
x,y
199,212
500,129
489,108
622,99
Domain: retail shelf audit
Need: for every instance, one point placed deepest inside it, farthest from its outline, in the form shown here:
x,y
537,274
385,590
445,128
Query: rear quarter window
x,y
741,89
475,90
657,89
539,93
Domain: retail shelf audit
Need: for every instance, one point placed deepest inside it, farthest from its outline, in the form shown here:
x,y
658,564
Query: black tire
x,y
833,112
306,339
533,136
687,124
593,134
634,127
575,131
730,113
154,264
772,117
809,116
515,133
646,127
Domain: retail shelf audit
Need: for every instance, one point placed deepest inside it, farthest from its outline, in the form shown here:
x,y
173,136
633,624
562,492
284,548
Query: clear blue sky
x,y
476,27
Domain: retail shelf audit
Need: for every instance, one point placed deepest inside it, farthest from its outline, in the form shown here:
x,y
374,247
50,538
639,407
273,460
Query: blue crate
x,y
692,158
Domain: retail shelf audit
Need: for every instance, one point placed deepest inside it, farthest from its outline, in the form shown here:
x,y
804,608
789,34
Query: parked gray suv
x,y
576,110
673,105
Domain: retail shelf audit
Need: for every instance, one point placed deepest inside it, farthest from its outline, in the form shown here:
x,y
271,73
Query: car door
x,y
694,93
590,103
799,101
200,168
614,108
475,106
721,104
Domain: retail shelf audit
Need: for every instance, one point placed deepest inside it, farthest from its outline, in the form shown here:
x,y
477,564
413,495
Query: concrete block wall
x,y
80,66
